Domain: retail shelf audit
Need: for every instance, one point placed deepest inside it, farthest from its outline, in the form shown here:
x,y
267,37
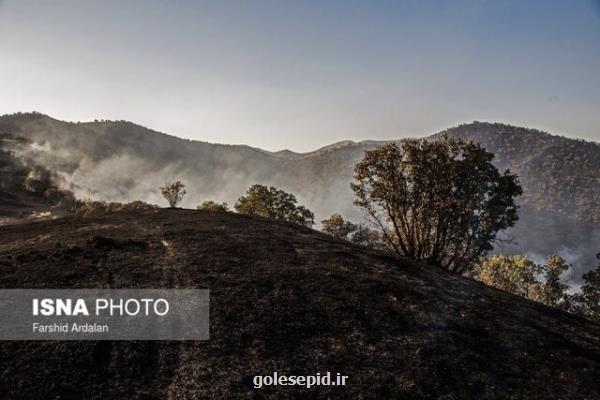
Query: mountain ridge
x,y
340,143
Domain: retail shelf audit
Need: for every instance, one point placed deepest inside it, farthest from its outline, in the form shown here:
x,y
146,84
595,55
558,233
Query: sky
x,y
303,74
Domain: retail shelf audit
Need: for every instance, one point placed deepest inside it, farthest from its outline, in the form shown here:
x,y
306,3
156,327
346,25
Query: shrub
x,y
213,206
173,193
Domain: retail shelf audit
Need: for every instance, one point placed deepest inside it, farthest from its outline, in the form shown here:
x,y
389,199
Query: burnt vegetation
x,y
26,187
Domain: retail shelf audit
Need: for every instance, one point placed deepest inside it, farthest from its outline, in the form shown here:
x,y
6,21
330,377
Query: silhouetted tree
x,y
173,193
213,206
442,202
273,203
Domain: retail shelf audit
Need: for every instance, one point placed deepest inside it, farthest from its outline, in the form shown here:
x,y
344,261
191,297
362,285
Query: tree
x,y
521,276
442,202
553,290
86,208
367,237
336,226
173,193
273,203
513,274
213,206
587,301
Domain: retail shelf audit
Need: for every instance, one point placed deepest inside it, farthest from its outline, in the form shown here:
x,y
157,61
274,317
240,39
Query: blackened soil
x,y
288,299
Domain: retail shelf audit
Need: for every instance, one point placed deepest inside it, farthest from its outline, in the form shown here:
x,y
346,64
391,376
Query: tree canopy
x,y
442,202
513,274
213,206
273,203
521,276
335,225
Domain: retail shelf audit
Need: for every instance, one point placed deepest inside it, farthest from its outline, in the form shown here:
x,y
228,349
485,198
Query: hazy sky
x,y
303,74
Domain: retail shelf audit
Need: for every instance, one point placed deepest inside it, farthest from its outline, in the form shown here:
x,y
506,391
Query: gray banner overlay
x,y
104,314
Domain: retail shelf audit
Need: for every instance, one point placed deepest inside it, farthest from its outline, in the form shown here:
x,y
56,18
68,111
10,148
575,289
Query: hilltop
x,y
121,161
290,299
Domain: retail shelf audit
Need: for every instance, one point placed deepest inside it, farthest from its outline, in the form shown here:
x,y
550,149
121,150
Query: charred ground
x,y
289,299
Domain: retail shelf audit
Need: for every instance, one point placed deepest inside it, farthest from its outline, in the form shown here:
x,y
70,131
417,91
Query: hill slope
x,y
121,161
289,299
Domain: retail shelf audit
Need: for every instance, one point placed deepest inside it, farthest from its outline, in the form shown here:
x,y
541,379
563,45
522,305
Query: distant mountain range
x,y
122,161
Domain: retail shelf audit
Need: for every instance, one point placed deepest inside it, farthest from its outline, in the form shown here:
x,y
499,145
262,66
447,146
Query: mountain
x,y
559,174
289,299
121,161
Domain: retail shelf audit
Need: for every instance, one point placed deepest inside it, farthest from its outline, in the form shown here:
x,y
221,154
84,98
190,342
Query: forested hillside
x,y
559,174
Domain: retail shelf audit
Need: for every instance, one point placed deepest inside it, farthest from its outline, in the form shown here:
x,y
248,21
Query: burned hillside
x,y
285,298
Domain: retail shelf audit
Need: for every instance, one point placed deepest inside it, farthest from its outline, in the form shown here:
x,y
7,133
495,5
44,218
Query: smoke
x,y
100,169
539,234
